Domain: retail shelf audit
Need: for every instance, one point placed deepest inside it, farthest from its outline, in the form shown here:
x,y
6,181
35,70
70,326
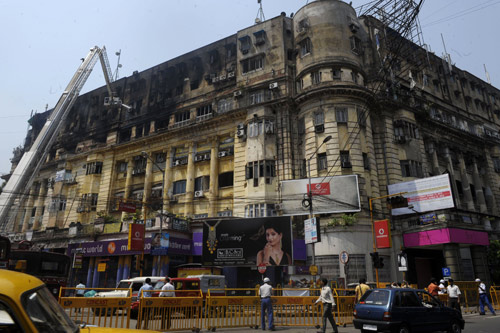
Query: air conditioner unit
x,y
319,128
230,75
278,206
238,93
222,77
215,79
107,101
273,85
206,156
198,158
177,162
240,131
198,194
222,153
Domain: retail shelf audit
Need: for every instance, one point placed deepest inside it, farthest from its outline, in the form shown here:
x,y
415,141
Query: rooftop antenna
x,y
260,13
118,65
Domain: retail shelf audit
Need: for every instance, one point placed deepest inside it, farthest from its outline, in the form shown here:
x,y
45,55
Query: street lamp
x,y
309,194
146,155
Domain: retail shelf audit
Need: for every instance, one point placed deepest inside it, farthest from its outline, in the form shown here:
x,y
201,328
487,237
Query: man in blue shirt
x,y
144,289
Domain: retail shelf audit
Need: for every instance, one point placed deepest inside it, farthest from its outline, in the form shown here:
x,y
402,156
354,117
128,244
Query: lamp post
x,y
162,217
309,195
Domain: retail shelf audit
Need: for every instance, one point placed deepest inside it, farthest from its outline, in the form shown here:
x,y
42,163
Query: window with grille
x,y
322,161
256,97
345,159
181,117
319,118
225,105
341,114
330,267
356,268
245,44
252,64
94,168
260,210
316,77
204,111
410,168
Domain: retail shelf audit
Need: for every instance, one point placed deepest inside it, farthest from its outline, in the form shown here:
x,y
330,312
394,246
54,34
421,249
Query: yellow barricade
x,y
495,297
171,313
470,295
99,311
345,300
299,310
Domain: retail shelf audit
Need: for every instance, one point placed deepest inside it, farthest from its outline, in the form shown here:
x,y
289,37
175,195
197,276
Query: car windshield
x,y
45,313
124,284
158,285
375,297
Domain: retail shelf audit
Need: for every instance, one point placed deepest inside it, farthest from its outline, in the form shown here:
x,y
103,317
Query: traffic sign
x,y
446,271
344,257
262,268
313,269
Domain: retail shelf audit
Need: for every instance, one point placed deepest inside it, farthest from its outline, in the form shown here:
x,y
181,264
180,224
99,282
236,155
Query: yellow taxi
x,y
26,305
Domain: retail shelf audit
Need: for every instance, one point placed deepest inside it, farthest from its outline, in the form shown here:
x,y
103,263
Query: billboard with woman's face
x,y
253,241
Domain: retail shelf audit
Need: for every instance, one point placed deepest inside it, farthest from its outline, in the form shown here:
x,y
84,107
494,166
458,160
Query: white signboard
x,y
310,231
424,195
339,194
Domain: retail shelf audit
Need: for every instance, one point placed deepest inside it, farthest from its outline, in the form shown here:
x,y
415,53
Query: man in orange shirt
x,y
433,287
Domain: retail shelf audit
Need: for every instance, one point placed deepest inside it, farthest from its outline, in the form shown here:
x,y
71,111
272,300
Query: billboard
x,y
248,242
424,194
339,194
160,244
136,234
382,234
311,231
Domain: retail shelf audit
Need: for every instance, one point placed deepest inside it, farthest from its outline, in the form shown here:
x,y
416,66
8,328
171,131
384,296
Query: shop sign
x,y
127,207
78,261
311,231
136,237
101,267
428,218
382,234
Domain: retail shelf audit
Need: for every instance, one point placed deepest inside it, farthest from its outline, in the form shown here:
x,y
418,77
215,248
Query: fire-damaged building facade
x,y
214,132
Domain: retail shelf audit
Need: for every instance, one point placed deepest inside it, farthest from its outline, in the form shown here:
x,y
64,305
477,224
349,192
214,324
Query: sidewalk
x,y
285,329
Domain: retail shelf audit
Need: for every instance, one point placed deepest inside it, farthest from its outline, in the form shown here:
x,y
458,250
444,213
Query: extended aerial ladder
x,y
27,169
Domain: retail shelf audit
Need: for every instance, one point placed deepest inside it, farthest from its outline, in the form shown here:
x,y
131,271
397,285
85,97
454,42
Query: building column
x,y
465,183
434,159
40,204
451,171
168,178
213,194
29,207
148,178
480,263
478,184
128,182
90,270
451,253
188,206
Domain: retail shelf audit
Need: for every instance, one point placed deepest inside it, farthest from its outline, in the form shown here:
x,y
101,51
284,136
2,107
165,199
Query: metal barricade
x,y
297,308
182,312
495,297
469,298
345,300
111,312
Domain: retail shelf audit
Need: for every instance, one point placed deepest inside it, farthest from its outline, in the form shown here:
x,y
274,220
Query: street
x,y
474,323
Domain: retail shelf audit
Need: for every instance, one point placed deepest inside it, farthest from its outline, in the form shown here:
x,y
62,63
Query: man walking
x,y
483,299
167,291
361,289
144,291
265,293
80,291
454,296
326,297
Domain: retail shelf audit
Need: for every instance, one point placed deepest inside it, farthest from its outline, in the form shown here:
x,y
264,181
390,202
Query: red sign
x,y
136,237
382,234
127,207
262,268
319,189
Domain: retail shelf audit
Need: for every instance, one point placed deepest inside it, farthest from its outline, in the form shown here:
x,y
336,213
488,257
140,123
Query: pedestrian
x,y
483,298
80,291
394,285
265,293
433,287
405,284
361,289
167,291
144,291
454,296
326,298
442,287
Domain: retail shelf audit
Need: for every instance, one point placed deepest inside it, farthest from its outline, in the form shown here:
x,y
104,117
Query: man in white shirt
x,y
442,288
265,293
326,297
167,291
453,295
483,298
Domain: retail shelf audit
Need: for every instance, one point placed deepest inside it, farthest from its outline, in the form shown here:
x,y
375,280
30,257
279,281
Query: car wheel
x,y
455,328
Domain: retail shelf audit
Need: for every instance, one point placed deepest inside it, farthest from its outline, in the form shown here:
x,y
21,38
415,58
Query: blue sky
x,y
43,41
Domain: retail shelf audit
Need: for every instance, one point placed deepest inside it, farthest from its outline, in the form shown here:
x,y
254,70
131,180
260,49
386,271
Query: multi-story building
x,y
223,125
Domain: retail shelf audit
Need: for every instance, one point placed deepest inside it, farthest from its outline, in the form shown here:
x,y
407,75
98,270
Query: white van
x,y
135,284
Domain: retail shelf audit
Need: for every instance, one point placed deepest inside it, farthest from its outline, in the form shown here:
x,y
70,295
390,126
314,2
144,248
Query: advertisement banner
x,y
426,194
160,244
127,207
136,237
311,233
253,241
382,234
339,194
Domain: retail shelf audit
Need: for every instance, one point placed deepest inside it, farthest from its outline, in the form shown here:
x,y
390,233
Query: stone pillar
x,y
480,263
451,171
434,159
148,178
40,203
452,258
214,179
128,182
465,183
188,206
168,178
29,207
478,184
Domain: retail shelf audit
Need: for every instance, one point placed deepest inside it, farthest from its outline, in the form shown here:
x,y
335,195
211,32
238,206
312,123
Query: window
x,y
336,74
260,37
354,77
330,266
94,168
182,117
262,168
405,131
194,84
160,161
341,114
357,267
140,163
245,44
411,168
179,187
319,118
496,164
409,299
225,105
316,77
204,111
202,183
260,210
366,161
252,64
305,47
355,44
345,159
256,97
361,116
322,161
226,179
225,213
